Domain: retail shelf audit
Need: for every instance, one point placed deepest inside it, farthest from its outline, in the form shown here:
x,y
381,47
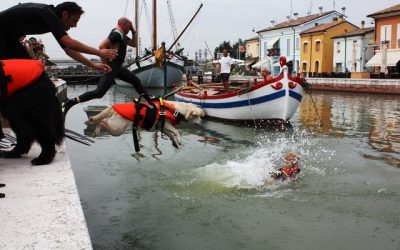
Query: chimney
x,y
320,10
296,15
362,24
288,18
343,10
273,23
316,24
341,18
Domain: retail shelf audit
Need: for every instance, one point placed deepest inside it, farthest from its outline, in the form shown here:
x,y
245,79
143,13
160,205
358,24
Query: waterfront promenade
x,y
376,86
41,208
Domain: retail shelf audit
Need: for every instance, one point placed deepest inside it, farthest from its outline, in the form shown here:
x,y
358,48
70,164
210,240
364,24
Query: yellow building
x,y
316,55
252,50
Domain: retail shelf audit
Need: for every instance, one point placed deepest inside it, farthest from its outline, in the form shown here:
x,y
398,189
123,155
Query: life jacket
x,y
148,114
285,173
291,171
16,74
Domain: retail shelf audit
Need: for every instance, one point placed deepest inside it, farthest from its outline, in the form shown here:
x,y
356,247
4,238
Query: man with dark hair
x,y
36,18
117,39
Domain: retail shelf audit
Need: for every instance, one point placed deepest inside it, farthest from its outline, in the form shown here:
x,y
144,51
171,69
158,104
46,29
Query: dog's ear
x,y
194,115
189,115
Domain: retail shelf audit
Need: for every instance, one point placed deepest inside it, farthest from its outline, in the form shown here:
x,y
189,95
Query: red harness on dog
x,y
146,114
128,111
16,74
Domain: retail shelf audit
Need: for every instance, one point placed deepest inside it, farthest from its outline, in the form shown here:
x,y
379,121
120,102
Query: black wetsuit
x,y
118,71
27,19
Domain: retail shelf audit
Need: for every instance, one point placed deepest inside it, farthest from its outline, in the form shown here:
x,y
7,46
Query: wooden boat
x,y
271,99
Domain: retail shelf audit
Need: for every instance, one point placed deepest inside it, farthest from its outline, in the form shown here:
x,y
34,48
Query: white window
x,y
288,47
338,47
298,41
265,48
386,33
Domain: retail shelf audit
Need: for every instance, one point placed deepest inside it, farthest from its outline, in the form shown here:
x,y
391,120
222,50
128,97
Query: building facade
x,y
284,38
317,46
352,50
252,50
387,40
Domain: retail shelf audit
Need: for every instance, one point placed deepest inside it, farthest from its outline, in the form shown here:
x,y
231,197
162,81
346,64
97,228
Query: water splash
x,y
251,168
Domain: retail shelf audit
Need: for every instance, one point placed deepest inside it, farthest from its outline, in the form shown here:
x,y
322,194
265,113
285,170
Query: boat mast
x,y
154,24
137,26
183,31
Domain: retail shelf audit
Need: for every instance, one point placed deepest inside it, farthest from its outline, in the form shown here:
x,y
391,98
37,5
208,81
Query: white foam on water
x,y
251,169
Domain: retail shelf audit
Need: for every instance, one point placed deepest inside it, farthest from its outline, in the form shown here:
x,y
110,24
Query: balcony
x,y
274,52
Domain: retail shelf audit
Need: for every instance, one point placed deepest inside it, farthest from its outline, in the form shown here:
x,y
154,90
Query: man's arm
x,y
73,44
80,58
132,42
106,44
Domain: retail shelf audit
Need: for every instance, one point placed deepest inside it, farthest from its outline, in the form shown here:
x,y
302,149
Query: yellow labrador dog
x,y
162,115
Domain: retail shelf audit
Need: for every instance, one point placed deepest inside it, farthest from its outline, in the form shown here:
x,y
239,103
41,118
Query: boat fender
x,y
169,55
282,61
16,74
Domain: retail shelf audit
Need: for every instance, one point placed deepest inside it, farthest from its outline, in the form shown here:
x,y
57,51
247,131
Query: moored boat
x,y
271,99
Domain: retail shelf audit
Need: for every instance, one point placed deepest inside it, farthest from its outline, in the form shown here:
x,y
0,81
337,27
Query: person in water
x,y
290,170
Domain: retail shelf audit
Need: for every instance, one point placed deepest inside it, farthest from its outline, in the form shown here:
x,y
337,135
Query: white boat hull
x,y
275,99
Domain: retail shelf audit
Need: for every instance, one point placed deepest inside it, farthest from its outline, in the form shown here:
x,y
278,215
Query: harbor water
x,y
216,192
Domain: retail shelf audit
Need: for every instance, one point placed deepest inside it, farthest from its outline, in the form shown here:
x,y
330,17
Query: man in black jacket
x,y
35,18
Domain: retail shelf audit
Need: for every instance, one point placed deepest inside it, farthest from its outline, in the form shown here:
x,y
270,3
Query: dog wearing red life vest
x,y
28,102
160,114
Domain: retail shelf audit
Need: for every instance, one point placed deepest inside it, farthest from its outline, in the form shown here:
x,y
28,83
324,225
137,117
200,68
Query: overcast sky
x,y
219,20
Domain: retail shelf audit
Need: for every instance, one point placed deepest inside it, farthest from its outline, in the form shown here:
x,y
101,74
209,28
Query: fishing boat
x,y
148,68
270,99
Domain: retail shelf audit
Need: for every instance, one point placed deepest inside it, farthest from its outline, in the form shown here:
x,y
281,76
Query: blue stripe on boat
x,y
295,95
236,104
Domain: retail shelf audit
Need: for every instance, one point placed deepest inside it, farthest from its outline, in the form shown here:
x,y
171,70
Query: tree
x,y
224,45
232,49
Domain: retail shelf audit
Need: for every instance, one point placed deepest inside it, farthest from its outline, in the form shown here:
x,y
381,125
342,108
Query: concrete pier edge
x,y
41,208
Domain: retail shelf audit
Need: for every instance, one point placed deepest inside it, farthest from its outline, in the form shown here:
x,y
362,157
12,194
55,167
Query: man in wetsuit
x,y
117,39
34,18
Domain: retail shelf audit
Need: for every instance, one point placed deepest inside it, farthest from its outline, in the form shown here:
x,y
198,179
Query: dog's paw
x,y
41,161
176,144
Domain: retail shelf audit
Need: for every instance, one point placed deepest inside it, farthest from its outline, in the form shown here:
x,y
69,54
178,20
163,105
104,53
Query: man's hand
x,y
102,67
108,53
